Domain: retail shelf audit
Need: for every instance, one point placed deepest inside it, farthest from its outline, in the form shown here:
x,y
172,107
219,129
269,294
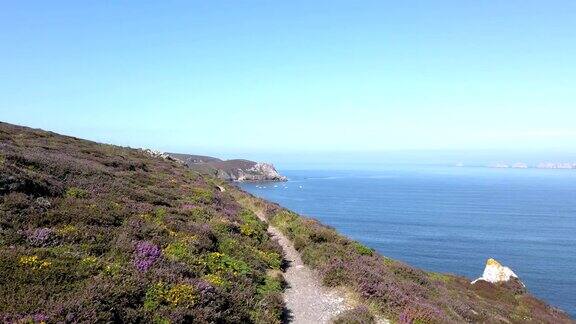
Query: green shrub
x,y
200,214
201,196
154,296
362,249
160,214
216,280
272,284
272,259
161,294
435,276
217,262
252,226
74,192
178,251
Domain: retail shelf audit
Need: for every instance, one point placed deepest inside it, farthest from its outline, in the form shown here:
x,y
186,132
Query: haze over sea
x,y
450,219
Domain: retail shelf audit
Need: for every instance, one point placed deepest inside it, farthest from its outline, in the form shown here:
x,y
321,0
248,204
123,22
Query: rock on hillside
x,y
231,170
495,272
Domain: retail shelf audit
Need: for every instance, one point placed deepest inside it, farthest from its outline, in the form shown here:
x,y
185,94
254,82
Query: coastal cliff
x,y
100,233
231,170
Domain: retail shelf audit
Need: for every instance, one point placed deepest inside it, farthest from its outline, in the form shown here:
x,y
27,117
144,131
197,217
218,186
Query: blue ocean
x,y
450,219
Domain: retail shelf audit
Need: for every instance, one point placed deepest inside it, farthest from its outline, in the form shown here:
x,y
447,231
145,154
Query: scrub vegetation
x,y
99,233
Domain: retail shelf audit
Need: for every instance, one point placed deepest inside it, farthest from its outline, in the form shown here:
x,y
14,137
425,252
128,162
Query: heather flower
x,y
204,287
405,318
40,318
39,236
25,318
188,206
145,255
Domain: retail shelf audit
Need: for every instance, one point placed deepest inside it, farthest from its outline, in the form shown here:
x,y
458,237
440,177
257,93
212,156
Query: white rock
x,y
495,272
162,155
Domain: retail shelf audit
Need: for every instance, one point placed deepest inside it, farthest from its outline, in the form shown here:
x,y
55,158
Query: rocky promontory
x,y
231,170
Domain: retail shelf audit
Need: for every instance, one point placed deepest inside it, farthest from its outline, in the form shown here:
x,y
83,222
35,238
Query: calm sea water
x,y
450,219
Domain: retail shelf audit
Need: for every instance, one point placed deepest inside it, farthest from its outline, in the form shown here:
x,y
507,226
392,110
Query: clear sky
x,y
238,77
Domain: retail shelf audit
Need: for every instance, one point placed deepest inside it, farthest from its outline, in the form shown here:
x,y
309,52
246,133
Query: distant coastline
x,y
522,165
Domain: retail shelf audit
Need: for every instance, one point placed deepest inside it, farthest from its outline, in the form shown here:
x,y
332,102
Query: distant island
x,y
522,165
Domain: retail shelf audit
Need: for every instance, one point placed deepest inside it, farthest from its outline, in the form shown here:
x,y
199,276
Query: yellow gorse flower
x,y
181,294
34,262
214,279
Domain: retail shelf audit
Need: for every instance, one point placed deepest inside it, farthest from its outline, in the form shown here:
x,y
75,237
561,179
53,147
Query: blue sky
x,y
249,77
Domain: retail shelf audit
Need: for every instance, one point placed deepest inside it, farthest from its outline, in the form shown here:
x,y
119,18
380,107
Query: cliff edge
x,y
231,170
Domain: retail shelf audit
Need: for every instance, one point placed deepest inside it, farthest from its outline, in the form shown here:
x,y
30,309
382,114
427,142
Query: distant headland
x,y
231,170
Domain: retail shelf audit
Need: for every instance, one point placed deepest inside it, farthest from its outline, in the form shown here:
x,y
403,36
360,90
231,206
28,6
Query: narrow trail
x,y
306,299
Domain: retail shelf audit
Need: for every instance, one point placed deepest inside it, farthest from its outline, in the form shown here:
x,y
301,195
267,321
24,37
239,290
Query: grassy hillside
x,y
99,233
92,232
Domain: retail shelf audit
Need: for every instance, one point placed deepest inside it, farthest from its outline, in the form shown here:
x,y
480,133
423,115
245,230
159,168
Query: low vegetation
x,y
99,233
396,291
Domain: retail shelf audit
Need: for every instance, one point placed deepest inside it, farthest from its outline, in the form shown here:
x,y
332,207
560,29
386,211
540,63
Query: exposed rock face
x,y
496,273
260,172
231,170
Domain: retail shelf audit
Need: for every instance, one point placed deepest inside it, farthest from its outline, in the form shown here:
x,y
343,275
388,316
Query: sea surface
x,y
450,219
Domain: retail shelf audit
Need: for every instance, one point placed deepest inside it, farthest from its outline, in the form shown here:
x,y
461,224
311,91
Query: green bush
x,y
160,214
217,262
272,259
74,192
178,251
161,294
201,196
362,249
272,284
252,226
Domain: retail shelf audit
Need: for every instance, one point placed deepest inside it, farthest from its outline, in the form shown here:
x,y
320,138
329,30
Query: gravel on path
x,y
307,301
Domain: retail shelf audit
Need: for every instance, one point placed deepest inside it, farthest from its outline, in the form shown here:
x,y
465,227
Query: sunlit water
x,y
451,219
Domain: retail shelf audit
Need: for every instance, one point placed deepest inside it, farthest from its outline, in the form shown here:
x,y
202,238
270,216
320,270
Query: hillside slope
x,y
99,233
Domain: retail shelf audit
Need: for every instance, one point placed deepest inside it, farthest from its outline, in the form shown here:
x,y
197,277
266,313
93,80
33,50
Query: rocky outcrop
x,y
496,273
231,170
161,155
260,172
